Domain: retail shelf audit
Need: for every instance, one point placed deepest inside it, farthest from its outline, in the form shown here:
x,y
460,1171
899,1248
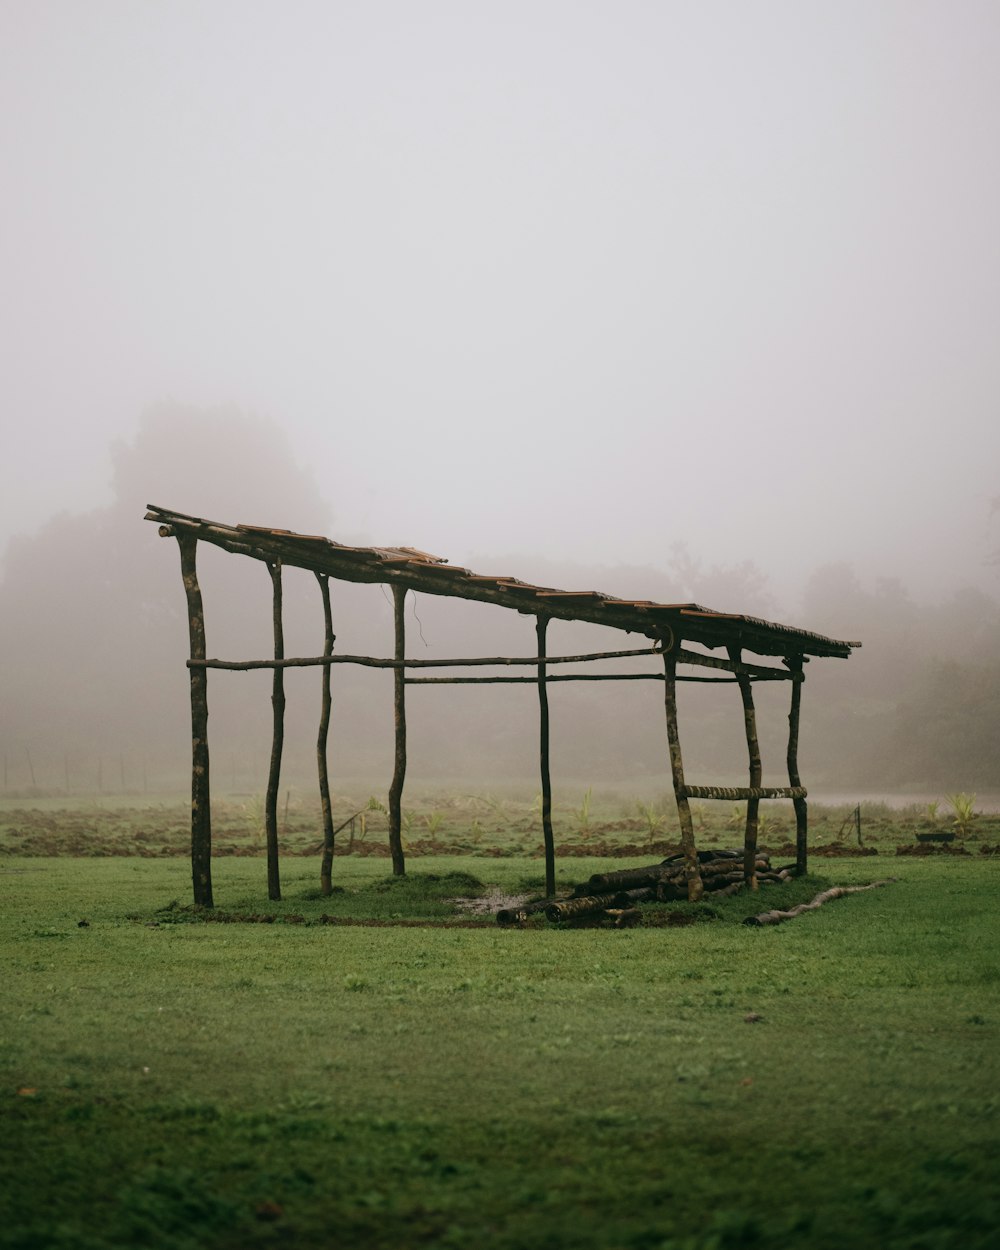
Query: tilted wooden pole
x,y
399,719
541,625
692,872
795,664
277,739
326,867
756,771
201,809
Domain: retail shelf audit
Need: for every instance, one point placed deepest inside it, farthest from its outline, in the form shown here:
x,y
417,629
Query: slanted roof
x,y
433,575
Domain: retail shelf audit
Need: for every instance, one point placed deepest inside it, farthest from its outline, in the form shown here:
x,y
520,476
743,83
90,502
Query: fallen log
x,y
649,875
620,899
581,906
721,872
520,913
667,873
670,892
644,894
720,880
725,881
777,917
631,878
721,867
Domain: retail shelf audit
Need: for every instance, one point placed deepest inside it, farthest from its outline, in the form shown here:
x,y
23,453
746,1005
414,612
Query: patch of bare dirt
x,y
930,848
489,904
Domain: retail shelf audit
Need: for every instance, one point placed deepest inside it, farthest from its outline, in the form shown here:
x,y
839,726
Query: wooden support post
x,y
399,719
201,809
541,625
692,872
756,772
795,663
326,868
277,738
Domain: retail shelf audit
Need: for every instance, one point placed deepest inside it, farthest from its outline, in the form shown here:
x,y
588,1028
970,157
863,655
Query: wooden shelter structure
x,y
666,626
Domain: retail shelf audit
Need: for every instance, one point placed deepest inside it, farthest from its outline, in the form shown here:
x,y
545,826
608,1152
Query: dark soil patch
x,y
928,848
839,850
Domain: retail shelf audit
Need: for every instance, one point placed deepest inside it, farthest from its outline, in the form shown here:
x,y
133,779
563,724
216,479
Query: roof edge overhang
x,y
419,571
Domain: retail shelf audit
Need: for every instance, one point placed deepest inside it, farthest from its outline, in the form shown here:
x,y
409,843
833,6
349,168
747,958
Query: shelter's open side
x,y
666,627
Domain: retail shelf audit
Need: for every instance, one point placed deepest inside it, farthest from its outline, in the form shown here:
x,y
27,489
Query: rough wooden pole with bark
x,y
399,719
201,809
692,873
326,867
541,625
795,664
277,738
756,771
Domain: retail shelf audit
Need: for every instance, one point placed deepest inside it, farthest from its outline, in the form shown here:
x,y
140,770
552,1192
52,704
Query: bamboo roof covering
x,y
419,571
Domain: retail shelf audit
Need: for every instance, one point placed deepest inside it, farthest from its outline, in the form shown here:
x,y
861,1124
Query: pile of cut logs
x,y
617,894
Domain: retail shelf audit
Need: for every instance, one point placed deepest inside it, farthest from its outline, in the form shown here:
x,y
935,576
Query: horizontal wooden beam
x,y
754,671
532,681
369,661
468,681
745,792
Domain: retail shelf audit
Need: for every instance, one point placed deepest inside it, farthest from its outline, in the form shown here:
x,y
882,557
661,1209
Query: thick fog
x,y
675,299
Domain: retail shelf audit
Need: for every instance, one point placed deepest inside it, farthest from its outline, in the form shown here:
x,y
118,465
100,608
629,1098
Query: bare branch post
x,y
399,719
277,739
692,873
326,868
201,809
541,625
756,771
795,664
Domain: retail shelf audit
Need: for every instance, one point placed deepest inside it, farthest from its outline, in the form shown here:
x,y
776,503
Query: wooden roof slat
x,y
575,594
421,555
653,605
449,570
501,583
266,529
512,584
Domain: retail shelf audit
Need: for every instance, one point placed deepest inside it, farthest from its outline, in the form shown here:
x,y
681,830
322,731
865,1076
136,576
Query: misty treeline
x,y
94,630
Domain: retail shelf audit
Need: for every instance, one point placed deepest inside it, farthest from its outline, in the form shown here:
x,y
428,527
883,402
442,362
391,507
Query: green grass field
x,y
173,1084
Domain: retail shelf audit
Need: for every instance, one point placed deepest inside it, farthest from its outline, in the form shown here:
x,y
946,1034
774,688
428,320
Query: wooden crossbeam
x,y
745,792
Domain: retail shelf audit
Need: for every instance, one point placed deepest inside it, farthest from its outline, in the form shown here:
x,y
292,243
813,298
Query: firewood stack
x,y
617,894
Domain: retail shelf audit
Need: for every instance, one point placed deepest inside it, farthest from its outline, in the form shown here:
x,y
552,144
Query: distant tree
x,y
231,465
91,608
947,728
908,708
742,588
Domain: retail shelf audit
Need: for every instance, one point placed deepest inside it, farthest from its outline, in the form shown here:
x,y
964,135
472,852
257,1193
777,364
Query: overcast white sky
x,y
588,278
